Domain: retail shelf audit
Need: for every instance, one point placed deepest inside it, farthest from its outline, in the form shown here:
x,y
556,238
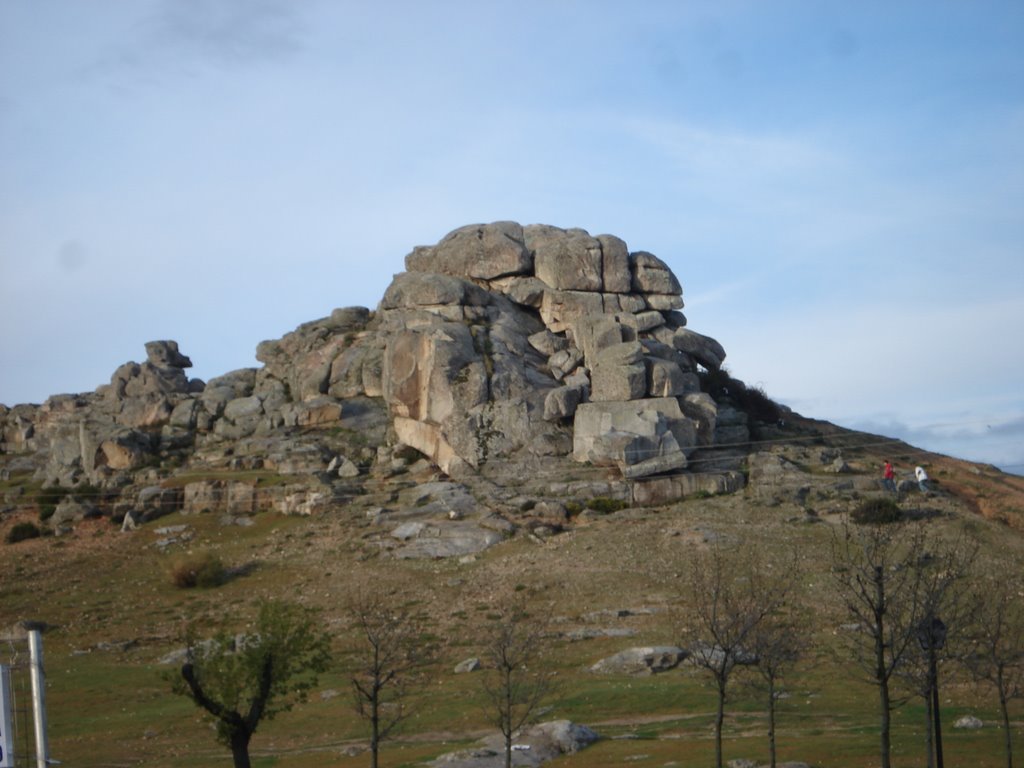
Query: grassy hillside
x,y
114,612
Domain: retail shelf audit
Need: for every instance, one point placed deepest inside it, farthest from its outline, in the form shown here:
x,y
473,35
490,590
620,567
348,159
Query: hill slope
x,y
526,413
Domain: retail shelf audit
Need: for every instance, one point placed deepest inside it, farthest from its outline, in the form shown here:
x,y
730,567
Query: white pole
x,y
6,720
35,651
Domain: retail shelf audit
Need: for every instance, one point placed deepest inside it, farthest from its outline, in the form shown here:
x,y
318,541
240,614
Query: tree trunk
x,y
881,672
886,713
938,720
374,730
507,715
240,748
929,729
771,724
1004,707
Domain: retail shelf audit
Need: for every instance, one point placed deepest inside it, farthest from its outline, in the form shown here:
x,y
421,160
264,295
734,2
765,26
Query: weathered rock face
x,y
500,350
502,335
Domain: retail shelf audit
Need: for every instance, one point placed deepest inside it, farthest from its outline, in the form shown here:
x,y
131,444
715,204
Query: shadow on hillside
x,y
241,571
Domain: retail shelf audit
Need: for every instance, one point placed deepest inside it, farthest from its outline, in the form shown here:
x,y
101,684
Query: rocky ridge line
x,y
502,353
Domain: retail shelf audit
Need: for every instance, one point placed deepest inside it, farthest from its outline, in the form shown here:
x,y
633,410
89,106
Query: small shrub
x,y
573,507
605,505
204,571
877,511
22,531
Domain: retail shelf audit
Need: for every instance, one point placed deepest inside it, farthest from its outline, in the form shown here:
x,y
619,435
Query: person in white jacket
x,y
922,479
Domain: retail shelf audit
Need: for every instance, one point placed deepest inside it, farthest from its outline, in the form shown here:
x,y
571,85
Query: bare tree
x,y
516,678
997,654
881,572
941,632
732,593
387,655
778,646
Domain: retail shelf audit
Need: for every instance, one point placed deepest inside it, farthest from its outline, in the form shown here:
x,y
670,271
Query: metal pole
x,y
6,719
935,712
35,650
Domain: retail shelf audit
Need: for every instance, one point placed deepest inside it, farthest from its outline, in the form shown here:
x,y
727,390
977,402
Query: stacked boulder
x,y
112,430
500,328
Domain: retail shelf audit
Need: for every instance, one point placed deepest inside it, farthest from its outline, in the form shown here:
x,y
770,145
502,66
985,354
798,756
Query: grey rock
x,y
645,660
565,362
615,264
550,510
567,260
664,379
411,290
623,353
652,275
532,747
485,251
969,722
165,354
704,349
71,510
561,402
243,408
590,633
439,499
443,539
548,343
203,496
657,491
652,430
527,291
185,413
596,332
612,382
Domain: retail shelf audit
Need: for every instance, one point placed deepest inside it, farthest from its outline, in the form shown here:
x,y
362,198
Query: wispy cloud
x,y
178,36
1000,443
230,31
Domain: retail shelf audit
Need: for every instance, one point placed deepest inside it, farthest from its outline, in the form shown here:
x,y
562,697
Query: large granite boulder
x,y
641,437
649,660
485,251
534,746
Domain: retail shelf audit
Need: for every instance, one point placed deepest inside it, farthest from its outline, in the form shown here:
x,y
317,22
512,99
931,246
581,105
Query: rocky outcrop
x,y
503,352
641,661
503,335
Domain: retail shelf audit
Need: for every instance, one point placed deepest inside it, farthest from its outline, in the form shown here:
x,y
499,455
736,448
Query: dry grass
x,y
115,613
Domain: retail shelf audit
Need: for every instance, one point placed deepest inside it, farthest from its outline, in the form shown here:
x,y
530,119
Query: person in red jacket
x,y
889,476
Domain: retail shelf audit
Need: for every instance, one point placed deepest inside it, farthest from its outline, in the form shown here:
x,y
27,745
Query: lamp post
x,y
931,634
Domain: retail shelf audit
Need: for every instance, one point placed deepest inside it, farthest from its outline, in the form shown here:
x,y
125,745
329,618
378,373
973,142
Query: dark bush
x,y
877,511
751,400
205,571
23,531
605,505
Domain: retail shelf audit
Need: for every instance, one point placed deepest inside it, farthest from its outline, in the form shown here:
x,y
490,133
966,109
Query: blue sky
x,y
838,186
